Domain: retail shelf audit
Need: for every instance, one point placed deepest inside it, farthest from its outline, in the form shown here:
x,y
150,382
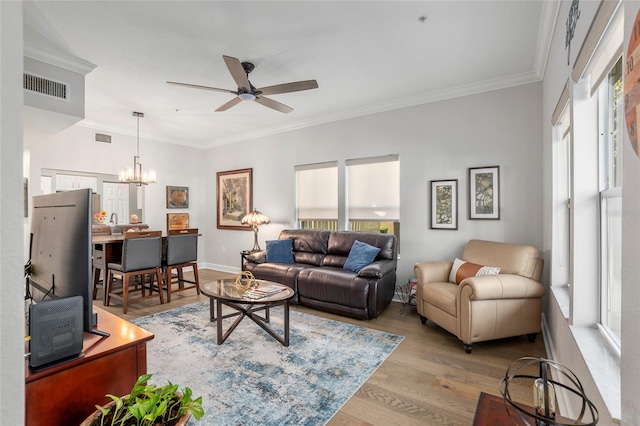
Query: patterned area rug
x,y
251,379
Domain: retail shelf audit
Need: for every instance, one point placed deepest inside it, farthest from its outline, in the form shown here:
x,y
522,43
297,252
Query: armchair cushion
x,y
462,270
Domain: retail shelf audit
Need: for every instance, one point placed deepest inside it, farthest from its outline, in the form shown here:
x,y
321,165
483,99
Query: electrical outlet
x,y
224,250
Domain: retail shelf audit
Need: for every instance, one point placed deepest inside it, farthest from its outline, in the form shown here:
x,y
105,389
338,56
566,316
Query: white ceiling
x,y
366,56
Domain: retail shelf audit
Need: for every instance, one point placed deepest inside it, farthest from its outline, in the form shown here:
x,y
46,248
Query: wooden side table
x,y
491,411
243,260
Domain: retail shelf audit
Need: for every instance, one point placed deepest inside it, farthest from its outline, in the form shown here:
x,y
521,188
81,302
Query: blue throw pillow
x,y
361,255
280,251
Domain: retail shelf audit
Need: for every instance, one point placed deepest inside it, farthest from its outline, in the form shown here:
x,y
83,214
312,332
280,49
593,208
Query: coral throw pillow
x,y
462,270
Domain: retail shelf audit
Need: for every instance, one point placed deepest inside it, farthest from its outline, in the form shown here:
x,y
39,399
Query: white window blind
x,y
596,39
373,190
317,191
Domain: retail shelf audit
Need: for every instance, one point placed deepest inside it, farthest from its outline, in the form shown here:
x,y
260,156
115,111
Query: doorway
x,y
116,200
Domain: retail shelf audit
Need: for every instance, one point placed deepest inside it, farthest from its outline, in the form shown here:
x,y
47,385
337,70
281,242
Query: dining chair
x,y
181,252
98,258
141,255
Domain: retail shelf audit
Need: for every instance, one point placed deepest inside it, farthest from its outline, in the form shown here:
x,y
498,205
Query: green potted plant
x,y
148,405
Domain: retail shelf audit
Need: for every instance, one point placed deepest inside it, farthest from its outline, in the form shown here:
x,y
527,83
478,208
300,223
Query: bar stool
x,y
141,255
181,251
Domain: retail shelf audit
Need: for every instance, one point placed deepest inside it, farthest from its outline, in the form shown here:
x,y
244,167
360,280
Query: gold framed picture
x,y
177,197
177,221
234,198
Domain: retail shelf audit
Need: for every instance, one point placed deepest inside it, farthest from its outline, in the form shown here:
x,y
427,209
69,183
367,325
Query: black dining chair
x,y
141,256
181,252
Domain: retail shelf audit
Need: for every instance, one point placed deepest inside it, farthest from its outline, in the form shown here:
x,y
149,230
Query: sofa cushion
x,y
340,243
442,295
511,258
462,270
334,285
309,245
279,251
361,255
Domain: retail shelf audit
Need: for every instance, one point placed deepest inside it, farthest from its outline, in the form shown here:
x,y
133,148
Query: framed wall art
x,y
177,197
177,221
444,204
234,198
484,192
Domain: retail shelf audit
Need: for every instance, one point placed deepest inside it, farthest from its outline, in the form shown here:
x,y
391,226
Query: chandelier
x,y
136,174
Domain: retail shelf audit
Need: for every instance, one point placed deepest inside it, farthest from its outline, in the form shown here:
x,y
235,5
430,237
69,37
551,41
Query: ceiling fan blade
x,y
270,103
232,102
237,72
195,86
289,87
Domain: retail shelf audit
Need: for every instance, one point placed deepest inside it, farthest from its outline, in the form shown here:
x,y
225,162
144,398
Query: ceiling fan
x,y
246,92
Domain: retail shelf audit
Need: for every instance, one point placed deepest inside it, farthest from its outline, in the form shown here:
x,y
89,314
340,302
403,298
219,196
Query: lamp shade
x,y
255,218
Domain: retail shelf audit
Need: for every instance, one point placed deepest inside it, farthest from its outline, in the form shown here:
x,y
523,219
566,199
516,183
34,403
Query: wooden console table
x,y
67,393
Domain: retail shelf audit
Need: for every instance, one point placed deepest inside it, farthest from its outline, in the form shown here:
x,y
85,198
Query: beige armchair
x,y
484,307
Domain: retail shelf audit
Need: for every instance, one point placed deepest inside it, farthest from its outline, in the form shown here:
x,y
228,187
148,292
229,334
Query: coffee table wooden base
x,y
248,310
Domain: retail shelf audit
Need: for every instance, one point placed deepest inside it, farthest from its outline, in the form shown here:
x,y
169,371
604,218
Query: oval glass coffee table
x,y
246,304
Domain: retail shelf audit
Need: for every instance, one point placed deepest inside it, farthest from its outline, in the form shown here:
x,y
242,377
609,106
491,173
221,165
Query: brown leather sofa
x,y
318,278
487,307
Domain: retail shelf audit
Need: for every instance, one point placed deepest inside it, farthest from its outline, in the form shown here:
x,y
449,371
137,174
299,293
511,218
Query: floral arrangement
x,y
100,216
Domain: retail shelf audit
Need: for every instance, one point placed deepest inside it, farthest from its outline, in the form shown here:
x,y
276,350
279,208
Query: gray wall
x,y
434,141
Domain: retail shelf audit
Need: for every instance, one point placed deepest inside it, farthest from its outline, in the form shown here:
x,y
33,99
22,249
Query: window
x,y
373,194
611,122
317,196
562,199
367,197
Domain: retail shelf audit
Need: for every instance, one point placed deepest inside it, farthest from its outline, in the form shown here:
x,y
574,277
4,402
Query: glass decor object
x,y
551,377
544,399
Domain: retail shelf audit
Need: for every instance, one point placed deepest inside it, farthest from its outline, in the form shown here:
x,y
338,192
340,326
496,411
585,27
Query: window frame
x,y
611,124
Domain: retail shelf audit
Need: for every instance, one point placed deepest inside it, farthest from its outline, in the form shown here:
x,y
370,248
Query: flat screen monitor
x,y
60,249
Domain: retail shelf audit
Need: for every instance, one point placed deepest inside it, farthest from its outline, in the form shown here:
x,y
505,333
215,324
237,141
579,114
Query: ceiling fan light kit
x,y
246,92
246,96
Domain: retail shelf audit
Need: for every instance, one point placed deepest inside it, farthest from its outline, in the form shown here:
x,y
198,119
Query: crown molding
x,y
548,20
426,98
67,62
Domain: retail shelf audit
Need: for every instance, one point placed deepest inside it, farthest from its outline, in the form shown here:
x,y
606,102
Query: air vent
x,y
101,137
45,86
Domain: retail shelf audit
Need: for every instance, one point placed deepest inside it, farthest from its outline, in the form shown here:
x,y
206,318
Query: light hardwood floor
x,y
427,380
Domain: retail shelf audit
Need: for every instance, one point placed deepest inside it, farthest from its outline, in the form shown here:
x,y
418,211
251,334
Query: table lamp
x,y
255,219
